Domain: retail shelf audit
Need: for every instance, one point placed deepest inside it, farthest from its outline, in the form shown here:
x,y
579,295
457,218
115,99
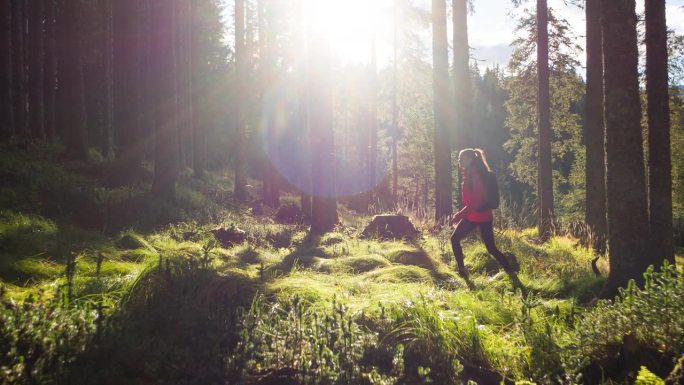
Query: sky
x,y
491,27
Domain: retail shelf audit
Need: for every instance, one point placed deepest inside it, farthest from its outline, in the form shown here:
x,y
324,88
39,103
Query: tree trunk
x,y
268,64
442,147
659,162
183,79
18,48
303,179
373,123
545,176
129,88
148,75
6,72
324,205
462,85
50,96
595,214
628,232
240,187
36,70
108,81
73,105
165,98
199,131
395,106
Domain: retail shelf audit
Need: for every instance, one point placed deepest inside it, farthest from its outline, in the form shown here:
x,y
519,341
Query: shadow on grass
x,y
32,247
177,324
303,255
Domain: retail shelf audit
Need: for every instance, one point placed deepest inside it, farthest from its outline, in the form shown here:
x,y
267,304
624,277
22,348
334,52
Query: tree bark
x,y
108,95
395,105
36,70
628,232
240,186
595,180
183,81
462,84
373,124
268,64
6,72
73,106
129,87
303,180
18,48
659,162
442,145
199,140
165,98
324,205
545,175
50,91
463,95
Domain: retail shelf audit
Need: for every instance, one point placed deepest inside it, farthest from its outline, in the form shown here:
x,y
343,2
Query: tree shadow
x,y
178,324
38,249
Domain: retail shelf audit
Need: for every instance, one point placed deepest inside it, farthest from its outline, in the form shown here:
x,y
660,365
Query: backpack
x,y
491,192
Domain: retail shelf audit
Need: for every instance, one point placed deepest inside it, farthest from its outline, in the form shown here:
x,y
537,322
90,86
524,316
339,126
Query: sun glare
x,y
351,24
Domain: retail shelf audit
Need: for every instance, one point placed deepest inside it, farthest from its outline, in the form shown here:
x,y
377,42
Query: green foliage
x,y
165,304
40,339
436,339
646,377
567,89
318,347
639,319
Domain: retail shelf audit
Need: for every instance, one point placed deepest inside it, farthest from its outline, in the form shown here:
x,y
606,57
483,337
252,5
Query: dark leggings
x,y
463,228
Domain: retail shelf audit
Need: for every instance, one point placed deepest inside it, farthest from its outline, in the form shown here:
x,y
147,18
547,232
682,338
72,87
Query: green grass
x,y
157,299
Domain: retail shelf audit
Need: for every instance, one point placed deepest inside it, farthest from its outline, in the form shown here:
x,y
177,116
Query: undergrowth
x,y
141,291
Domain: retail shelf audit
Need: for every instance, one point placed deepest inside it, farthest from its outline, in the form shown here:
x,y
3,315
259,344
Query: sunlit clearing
x,y
351,24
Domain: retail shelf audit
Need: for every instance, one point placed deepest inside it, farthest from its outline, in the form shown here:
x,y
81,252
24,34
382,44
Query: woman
x,y
475,168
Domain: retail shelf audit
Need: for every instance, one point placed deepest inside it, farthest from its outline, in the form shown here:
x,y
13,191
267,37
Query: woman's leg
x,y
487,233
463,228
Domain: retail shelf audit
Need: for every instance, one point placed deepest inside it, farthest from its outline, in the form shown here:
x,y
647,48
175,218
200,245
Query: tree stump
x,y
390,227
229,236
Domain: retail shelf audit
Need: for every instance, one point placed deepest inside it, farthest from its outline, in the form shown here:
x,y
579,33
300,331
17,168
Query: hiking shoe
x,y
462,272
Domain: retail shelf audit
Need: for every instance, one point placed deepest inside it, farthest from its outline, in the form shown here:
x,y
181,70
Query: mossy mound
x,y
359,264
413,257
132,241
303,286
137,255
248,255
400,274
332,239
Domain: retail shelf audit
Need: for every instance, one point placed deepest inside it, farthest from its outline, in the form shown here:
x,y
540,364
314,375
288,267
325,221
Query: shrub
x,y
644,323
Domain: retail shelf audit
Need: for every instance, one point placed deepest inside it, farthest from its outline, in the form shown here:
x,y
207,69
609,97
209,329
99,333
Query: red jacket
x,y
474,195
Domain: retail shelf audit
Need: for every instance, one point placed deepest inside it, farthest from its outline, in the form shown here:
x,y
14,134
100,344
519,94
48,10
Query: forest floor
x,y
110,285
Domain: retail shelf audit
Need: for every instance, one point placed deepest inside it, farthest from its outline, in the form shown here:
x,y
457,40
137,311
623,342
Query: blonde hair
x,y
478,157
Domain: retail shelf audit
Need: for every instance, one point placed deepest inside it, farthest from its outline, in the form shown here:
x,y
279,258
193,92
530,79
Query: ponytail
x,y
479,162
482,159
479,159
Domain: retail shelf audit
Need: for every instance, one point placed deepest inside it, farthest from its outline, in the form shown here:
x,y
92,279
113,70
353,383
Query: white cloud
x,y
488,56
491,27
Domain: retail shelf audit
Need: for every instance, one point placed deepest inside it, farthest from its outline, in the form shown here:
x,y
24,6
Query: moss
x,y
138,255
400,274
412,257
130,240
